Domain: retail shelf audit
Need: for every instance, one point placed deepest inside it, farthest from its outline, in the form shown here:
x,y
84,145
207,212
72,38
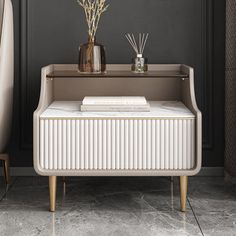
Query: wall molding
x,y
206,93
24,73
207,54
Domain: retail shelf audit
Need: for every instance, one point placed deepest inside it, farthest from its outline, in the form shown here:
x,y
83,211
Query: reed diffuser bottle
x,y
139,64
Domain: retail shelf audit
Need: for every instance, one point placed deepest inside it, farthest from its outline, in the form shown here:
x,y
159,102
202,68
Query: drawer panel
x,y
117,144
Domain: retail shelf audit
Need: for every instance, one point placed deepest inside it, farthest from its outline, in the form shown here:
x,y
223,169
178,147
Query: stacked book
x,y
115,103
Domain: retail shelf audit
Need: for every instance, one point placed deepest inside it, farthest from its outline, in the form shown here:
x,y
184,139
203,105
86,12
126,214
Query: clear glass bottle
x,y
139,64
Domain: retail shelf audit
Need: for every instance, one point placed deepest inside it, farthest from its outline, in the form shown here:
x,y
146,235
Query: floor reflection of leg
x,y
53,219
64,193
5,159
172,193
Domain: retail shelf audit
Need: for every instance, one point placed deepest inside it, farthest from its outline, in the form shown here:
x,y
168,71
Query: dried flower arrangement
x,y
92,57
93,10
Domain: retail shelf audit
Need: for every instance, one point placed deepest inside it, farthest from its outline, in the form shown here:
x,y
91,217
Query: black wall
x,y
181,31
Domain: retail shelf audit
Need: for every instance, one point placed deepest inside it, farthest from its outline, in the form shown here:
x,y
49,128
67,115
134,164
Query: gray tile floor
x,y
118,206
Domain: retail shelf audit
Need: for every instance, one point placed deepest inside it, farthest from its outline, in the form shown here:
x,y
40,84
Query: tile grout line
x,y
8,189
195,217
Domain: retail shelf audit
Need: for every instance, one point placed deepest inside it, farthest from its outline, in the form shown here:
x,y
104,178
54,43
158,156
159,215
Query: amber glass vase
x,y
92,57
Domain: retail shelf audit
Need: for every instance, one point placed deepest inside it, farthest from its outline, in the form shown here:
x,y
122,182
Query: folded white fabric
x,y
114,100
115,103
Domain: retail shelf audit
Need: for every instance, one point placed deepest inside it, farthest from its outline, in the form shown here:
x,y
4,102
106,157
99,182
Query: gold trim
x,y
52,192
183,192
117,118
55,171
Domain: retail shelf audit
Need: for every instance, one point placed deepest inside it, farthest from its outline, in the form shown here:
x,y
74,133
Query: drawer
x,y
117,144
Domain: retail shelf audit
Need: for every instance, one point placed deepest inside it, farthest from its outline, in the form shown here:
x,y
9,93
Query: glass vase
x,y
92,57
139,64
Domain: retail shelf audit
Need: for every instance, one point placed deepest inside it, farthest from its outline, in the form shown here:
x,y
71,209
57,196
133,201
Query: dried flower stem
x,y
93,10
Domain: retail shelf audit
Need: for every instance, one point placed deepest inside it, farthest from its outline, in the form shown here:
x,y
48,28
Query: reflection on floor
x,y
118,206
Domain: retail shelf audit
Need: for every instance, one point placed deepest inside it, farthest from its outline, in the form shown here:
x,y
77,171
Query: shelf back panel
x,y
155,89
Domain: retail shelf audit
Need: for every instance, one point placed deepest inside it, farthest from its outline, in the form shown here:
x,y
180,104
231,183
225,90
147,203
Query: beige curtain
x,y
230,92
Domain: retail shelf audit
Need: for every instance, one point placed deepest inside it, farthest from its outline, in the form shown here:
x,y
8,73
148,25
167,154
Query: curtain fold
x,y
230,91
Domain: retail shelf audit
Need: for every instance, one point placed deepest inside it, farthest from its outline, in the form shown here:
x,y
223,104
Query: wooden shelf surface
x,y
117,74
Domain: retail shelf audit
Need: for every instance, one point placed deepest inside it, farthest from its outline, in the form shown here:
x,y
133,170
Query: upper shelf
x,y
116,74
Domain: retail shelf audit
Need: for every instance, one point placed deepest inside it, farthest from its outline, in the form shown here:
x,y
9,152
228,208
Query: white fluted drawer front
x,y
117,144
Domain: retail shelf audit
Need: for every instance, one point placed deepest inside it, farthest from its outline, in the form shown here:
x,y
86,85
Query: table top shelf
x,y
117,74
159,109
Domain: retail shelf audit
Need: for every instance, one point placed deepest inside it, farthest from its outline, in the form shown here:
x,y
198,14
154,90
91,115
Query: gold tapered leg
x,y
183,192
52,192
5,159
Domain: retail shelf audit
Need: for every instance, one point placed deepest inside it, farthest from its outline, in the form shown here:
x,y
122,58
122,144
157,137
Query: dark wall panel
x,y
181,31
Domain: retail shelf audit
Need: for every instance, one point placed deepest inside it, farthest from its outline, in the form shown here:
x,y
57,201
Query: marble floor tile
x,y
96,206
214,204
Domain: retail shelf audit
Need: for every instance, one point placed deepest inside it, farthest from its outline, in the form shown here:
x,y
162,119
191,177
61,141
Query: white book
x,y
115,108
114,100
